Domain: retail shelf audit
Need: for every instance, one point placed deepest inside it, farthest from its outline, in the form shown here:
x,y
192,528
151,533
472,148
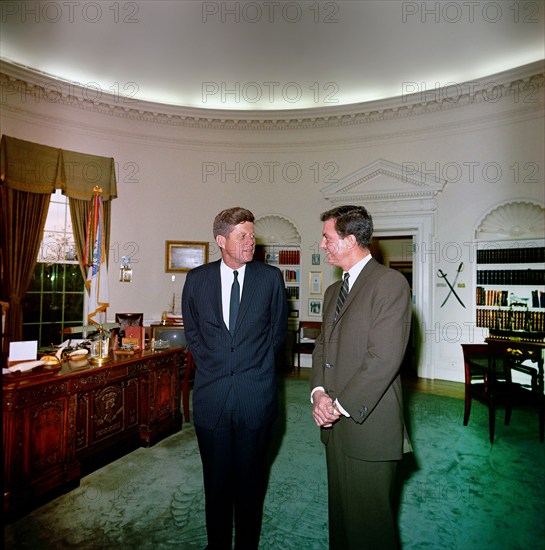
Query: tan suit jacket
x,y
357,360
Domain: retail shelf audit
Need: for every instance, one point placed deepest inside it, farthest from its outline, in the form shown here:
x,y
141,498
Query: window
x,y
58,240
55,298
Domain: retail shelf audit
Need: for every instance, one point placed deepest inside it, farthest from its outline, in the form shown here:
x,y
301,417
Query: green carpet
x,y
456,491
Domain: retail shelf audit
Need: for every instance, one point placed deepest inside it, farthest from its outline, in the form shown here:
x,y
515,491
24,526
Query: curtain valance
x,y
37,168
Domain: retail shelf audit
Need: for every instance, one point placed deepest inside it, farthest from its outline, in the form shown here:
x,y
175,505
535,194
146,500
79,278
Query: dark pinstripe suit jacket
x,y
244,362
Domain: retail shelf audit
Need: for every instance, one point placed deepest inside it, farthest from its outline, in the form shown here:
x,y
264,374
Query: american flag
x,y
95,259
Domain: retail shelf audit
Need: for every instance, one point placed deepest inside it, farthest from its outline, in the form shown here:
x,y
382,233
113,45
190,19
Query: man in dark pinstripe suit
x,y
234,395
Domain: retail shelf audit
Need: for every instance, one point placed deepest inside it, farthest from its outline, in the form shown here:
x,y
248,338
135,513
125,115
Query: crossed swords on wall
x,y
443,275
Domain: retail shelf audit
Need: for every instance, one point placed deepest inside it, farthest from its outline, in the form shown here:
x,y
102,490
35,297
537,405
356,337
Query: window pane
x,y
51,277
52,307
51,247
58,239
31,332
31,308
55,217
73,278
73,307
36,281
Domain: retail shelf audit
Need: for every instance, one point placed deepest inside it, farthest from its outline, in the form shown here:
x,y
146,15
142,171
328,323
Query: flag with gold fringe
x,y
95,260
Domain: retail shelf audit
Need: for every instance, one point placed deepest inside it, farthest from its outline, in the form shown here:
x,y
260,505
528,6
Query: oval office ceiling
x,y
270,55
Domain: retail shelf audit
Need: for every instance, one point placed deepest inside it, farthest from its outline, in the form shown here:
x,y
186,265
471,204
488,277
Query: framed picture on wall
x,y
315,282
315,307
184,255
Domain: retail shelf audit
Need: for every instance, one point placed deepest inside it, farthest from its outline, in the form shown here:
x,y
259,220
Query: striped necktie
x,y
342,295
234,302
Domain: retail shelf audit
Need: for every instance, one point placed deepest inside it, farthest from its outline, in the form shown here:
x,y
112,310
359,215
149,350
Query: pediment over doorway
x,y
386,186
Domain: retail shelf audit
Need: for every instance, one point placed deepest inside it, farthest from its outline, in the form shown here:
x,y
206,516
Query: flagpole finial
x,y
97,190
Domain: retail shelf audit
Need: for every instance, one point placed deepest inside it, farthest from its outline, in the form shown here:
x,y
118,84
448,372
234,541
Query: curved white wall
x,y
176,169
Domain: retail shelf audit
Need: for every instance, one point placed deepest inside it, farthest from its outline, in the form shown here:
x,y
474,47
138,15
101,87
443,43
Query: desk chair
x,y
129,320
304,340
187,381
488,380
527,395
131,325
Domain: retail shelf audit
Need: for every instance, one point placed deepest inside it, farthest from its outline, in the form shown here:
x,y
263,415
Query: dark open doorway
x,y
397,252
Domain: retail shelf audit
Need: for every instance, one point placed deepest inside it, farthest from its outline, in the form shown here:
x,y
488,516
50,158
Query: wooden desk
x,y
518,352
58,426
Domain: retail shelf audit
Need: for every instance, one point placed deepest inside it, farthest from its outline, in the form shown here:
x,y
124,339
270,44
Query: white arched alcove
x,y
276,230
402,202
518,223
513,220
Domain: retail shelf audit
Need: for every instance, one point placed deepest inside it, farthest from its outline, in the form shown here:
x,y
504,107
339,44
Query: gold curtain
x,y
30,173
36,168
23,221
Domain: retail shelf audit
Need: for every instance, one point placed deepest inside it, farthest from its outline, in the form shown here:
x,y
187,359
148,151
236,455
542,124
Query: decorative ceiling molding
x,y
512,220
389,186
521,84
276,230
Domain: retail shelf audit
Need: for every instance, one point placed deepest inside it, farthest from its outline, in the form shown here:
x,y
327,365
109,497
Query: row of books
x,y
511,320
291,275
538,298
289,257
501,298
491,297
511,277
292,292
511,255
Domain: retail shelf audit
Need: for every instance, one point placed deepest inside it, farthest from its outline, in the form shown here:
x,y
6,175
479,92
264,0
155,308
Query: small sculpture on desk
x,y
100,348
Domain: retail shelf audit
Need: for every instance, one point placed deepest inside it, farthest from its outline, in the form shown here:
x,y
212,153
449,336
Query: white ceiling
x,y
271,54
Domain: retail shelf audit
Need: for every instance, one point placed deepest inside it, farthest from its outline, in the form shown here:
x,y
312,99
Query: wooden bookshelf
x,y
510,288
288,260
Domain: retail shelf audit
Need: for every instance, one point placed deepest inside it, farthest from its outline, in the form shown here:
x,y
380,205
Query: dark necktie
x,y
234,303
342,295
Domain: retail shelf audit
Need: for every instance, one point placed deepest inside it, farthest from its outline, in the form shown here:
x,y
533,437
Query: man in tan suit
x,y
355,384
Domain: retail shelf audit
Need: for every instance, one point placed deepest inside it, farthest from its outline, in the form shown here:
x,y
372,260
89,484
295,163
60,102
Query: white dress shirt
x,y
227,279
354,272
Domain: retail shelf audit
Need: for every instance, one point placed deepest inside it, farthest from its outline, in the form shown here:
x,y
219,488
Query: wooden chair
x,y
131,325
304,340
528,394
187,382
129,320
488,380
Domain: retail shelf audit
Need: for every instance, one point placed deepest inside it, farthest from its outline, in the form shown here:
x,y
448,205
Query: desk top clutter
x,y
23,358
25,361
